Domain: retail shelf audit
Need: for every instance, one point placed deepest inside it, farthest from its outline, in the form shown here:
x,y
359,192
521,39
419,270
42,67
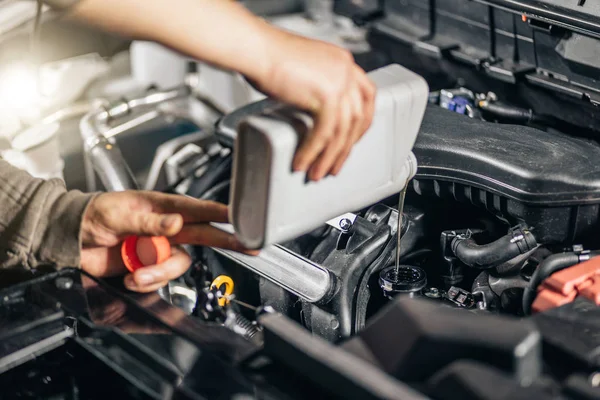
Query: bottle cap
x,y
139,251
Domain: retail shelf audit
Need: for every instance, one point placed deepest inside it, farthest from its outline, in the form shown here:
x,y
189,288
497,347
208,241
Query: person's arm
x,y
39,221
43,224
219,32
312,75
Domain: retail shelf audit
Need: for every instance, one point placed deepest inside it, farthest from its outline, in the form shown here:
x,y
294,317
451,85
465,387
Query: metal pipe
x,y
125,107
98,135
158,98
105,157
132,123
296,274
110,165
72,111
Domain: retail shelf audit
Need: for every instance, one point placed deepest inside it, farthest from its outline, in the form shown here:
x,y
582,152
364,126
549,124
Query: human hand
x,y
111,217
323,79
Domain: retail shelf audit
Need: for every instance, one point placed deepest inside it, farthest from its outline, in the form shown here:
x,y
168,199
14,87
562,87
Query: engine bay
x,y
497,291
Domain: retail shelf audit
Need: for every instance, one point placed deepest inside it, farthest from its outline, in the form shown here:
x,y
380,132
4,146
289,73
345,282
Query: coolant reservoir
x,y
272,204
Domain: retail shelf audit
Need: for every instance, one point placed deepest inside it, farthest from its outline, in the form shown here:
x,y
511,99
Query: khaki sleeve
x,y
39,221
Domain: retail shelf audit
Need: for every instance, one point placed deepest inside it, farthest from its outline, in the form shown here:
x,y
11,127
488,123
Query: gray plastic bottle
x,y
271,204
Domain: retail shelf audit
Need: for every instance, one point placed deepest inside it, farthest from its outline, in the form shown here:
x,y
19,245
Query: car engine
x,y
506,197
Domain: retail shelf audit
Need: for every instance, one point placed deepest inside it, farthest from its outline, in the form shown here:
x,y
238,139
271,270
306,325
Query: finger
x,y
147,223
102,261
192,210
356,102
315,142
146,278
326,160
207,235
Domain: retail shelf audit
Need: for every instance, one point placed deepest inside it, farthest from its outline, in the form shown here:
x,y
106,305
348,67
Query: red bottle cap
x,y
139,251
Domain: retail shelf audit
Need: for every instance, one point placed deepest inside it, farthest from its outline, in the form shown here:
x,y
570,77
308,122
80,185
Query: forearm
x,y
39,221
219,32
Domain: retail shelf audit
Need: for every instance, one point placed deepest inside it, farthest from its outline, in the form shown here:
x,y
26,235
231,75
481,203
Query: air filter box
x,y
550,181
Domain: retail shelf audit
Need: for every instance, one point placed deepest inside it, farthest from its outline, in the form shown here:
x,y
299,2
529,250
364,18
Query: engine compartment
x,y
498,189
507,181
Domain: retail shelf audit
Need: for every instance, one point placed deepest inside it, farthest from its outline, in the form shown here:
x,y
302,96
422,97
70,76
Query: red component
x,y
138,252
564,286
568,279
547,299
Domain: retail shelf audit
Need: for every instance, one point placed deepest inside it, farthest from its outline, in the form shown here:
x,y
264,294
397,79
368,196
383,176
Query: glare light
x,y
18,88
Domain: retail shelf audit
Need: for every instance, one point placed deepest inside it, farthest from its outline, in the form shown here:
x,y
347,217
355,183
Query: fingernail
x,y
168,221
145,279
315,176
129,282
299,166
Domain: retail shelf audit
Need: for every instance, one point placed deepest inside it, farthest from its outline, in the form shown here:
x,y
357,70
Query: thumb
x,y
152,224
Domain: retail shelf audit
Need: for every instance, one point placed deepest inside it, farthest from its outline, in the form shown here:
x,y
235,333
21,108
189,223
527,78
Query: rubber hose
x,y
361,20
216,191
491,255
511,113
213,174
547,267
507,112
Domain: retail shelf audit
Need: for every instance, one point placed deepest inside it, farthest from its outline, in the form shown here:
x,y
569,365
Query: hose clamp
x,y
522,237
582,254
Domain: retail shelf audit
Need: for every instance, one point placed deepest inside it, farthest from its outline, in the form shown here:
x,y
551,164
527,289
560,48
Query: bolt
x,y
345,224
577,248
64,283
335,324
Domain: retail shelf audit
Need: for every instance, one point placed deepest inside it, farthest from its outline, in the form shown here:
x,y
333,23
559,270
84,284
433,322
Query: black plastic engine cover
x,y
466,379
412,339
550,181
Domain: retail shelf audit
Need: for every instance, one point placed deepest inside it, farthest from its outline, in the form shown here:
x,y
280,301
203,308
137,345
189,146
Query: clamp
x,y
564,286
